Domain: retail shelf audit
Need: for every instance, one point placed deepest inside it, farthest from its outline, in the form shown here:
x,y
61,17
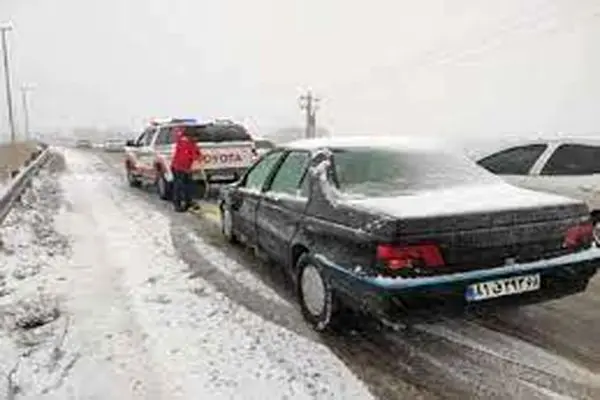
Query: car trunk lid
x,y
477,226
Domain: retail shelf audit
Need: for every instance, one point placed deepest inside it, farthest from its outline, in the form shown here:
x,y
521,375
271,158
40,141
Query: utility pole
x,y
25,90
310,104
9,102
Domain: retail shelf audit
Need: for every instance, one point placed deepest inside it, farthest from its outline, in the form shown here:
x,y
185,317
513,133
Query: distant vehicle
x,y
263,146
392,225
227,151
114,145
84,144
569,167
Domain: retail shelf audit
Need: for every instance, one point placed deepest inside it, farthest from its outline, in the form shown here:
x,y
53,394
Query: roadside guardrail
x,y
21,180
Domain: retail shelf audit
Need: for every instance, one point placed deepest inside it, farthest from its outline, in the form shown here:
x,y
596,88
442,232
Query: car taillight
x,y
397,257
579,235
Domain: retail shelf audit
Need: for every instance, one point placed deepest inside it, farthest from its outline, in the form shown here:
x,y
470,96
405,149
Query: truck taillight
x,y
579,235
396,257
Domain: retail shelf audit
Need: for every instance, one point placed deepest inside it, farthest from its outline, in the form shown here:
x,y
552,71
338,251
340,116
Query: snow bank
x,y
30,310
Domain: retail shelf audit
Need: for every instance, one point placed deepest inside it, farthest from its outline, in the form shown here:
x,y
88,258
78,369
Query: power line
x,y
25,90
310,104
9,102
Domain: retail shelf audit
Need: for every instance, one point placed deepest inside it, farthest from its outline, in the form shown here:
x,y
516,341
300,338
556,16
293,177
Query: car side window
x,y
290,173
164,137
149,136
140,140
514,161
257,177
573,159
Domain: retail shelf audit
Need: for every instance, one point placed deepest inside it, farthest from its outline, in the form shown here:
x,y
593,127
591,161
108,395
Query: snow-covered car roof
x,y
166,121
375,141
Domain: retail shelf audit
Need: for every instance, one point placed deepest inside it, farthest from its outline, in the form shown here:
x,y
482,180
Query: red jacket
x,y
186,152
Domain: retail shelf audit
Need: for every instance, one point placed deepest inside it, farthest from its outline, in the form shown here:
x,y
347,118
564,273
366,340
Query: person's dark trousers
x,y
182,190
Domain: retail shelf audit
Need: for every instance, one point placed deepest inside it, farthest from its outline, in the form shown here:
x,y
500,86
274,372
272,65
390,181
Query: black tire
x,y
164,188
328,314
132,180
227,225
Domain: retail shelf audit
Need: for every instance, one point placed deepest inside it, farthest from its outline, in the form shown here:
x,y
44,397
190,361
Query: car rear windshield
x,y
218,133
264,144
383,172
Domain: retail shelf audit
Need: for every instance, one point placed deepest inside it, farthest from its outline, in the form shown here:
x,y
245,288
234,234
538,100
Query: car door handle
x,y
273,197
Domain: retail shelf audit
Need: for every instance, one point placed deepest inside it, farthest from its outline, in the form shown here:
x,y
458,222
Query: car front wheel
x,y
317,298
164,188
131,179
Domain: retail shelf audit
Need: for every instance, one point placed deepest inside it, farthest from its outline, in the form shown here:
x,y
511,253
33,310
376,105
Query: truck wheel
x,y
164,188
317,298
131,179
227,225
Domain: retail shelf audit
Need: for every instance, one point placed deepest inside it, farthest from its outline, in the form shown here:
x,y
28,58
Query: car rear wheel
x,y
131,179
316,297
227,225
164,188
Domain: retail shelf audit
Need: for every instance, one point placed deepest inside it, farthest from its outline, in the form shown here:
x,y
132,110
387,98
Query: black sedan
x,y
391,225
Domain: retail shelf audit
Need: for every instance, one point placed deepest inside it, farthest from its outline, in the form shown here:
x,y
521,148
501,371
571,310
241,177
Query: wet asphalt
x,y
545,351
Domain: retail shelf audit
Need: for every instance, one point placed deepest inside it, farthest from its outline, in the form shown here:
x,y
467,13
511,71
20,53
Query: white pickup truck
x,y
227,151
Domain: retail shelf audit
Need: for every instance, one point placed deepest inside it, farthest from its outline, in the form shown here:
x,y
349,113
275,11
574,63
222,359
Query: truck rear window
x,y
218,133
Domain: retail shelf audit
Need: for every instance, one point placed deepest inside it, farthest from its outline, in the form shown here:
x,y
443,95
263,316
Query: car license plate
x,y
503,287
222,177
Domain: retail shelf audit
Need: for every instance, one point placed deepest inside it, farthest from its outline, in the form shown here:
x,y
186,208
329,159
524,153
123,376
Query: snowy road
x,y
154,305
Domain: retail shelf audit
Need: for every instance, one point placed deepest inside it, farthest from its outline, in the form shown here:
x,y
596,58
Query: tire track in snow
x,y
202,261
497,364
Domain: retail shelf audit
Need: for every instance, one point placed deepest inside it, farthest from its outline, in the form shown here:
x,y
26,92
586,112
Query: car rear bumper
x,y
223,175
560,276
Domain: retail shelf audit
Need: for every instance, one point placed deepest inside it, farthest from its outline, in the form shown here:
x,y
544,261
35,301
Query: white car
x,y
114,145
569,167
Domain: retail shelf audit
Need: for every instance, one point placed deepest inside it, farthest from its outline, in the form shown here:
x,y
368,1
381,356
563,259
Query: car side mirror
x,y
130,143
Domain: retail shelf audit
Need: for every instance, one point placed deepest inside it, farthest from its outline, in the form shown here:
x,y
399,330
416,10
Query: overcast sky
x,y
394,66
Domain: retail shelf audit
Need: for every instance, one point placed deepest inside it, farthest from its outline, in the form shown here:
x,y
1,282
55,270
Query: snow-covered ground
x,y
95,303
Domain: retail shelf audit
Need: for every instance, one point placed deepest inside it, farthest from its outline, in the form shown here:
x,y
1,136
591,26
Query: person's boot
x,y
179,206
193,205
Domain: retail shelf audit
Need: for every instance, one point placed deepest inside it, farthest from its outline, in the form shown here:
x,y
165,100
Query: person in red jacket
x,y
186,153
